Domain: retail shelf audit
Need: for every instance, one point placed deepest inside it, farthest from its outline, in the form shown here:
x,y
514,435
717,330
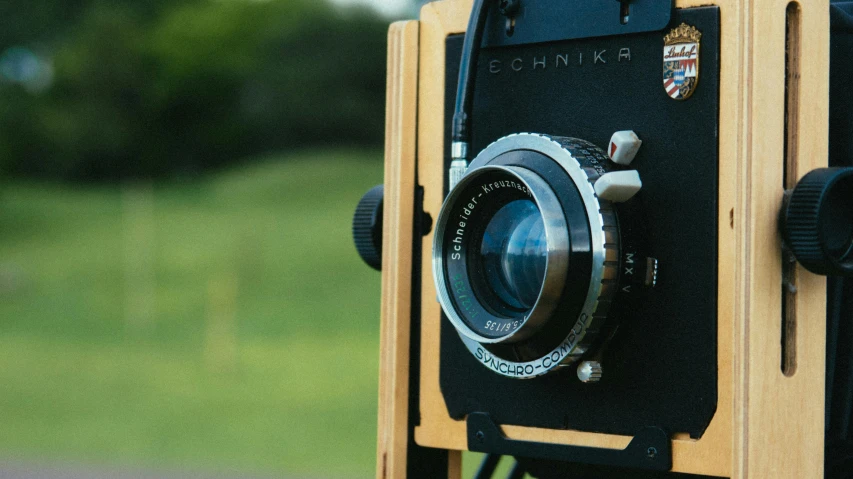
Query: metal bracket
x,y
552,20
650,449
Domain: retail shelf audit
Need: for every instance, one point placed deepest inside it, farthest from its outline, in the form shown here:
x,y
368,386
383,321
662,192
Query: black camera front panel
x,y
661,367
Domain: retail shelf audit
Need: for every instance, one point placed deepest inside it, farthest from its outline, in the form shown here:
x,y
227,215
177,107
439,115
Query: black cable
x,y
461,127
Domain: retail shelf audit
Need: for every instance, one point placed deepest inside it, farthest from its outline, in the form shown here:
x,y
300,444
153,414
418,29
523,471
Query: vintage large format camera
x,y
604,235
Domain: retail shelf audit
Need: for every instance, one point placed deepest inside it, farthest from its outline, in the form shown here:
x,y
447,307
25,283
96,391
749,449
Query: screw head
x,y
651,452
480,436
589,371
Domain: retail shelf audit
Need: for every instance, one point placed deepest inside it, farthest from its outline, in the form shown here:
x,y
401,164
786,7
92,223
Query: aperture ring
x,y
595,163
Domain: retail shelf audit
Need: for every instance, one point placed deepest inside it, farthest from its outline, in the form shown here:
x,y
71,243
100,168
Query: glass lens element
x,y
514,253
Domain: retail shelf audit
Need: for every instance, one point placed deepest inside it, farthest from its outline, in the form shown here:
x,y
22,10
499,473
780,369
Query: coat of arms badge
x,y
681,61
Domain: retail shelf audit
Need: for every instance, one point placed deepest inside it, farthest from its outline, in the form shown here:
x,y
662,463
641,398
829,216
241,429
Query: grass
x,y
223,323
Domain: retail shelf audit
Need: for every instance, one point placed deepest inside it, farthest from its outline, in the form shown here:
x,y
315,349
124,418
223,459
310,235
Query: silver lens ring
x,y
557,259
604,249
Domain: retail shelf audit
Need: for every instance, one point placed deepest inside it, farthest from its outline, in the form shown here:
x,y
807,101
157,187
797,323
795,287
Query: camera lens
x,y
502,253
514,253
526,256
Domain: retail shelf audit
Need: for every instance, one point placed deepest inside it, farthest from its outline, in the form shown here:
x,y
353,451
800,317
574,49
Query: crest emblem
x,y
681,61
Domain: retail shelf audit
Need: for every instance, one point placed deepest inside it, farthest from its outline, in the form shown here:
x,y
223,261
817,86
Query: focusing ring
x,y
571,330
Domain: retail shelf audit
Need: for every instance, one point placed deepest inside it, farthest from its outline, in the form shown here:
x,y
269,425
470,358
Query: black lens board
x,y
661,367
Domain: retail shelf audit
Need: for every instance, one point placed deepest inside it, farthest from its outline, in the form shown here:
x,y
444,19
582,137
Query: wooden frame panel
x,y
778,419
398,208
767,424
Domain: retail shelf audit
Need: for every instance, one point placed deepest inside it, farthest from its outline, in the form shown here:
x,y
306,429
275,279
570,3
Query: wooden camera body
x,y
765,90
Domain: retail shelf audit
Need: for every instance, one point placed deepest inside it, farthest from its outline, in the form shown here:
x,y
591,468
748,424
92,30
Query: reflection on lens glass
x,y
514,253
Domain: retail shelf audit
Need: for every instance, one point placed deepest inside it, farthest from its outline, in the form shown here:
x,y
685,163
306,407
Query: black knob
x,y
367,227
817,221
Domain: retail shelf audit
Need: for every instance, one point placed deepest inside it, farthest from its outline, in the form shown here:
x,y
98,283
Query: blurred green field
x,y
222,323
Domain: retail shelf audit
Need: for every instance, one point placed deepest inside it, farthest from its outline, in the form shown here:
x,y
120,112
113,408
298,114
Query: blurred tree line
x,y
105,89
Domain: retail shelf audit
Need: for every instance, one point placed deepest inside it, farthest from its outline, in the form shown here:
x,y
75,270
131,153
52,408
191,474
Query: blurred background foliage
x,y
116,89
178,286
179,292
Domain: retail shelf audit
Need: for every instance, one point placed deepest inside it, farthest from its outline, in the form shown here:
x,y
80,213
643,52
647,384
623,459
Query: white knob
x,y
624,146
618,186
